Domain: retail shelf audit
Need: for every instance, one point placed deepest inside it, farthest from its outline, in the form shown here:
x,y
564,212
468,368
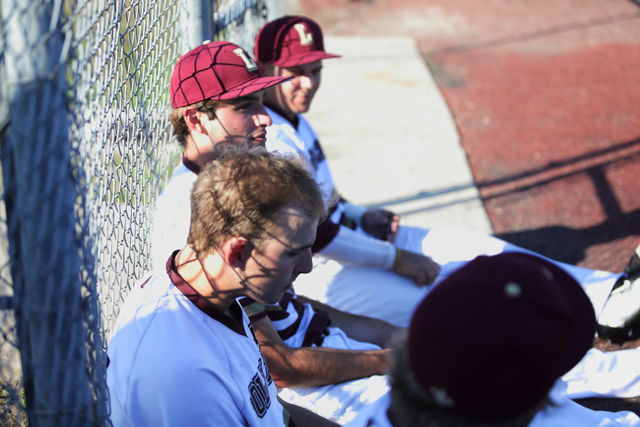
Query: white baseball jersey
x,y
175,360
302,143
563,412
172,216
333,240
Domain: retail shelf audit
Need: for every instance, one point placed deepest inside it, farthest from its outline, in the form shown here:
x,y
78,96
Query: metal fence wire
x,y
85,148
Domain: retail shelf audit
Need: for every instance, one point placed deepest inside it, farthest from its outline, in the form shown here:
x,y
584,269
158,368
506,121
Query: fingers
x,y
421,269
432,271
428,271
381,224
395,223
394,226
376,223
424,278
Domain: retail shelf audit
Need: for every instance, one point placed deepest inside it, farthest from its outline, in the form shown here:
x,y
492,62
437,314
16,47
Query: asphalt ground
x,y
545,96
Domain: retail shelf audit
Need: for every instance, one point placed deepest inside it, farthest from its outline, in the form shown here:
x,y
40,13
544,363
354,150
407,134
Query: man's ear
x,y
193,118
237,251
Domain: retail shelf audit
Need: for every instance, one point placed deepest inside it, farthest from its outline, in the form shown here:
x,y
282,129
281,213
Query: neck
x,y
206,276
190,151
194,155
291,117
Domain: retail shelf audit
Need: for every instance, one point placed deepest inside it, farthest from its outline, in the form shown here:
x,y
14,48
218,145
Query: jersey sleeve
x,y
349,246
171,217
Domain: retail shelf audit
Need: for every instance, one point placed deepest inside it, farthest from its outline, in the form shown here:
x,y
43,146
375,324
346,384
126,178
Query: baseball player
x,y
206,127
183,352
359,269
530,323
216,99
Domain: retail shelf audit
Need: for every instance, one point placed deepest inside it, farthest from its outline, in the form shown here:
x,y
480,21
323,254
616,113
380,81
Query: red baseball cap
x,y
290,41
216,70
491,339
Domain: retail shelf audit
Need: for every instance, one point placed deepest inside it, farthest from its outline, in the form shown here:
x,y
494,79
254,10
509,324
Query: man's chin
x,y
304,108
272,298
300,107
268,301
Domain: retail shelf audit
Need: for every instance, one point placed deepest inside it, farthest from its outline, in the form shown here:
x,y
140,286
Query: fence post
x,y
40,195
200,21
274,9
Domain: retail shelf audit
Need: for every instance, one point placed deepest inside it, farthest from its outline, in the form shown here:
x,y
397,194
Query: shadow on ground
x,y
569,244
566,243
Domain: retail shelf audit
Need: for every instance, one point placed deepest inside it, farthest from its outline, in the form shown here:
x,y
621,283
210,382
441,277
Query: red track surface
x,y
546,97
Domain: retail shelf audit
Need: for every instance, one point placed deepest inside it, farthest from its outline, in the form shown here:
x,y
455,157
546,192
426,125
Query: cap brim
x,y
304,58
251,86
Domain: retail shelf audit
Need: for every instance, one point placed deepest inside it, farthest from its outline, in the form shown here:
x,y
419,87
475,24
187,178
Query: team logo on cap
x,y
248,61
441,397
305,38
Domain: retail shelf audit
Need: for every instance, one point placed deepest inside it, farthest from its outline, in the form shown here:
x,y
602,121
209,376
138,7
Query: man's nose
x,y
305,263
262,118
306,82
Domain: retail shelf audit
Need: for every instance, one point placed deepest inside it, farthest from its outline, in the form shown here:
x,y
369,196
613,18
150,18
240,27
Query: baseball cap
x,y
216,70
290,41
491,339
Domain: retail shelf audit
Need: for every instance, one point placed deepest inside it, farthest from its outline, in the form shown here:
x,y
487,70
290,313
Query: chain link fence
x,y
85,149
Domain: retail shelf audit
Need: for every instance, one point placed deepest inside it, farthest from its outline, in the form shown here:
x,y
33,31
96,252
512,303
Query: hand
x,y
419,268
381,224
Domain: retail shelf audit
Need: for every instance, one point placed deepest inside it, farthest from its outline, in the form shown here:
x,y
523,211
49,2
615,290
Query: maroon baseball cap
x,y
290,41
216,70
491,339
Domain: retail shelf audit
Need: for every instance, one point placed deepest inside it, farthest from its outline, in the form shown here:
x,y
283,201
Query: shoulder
x,y
284,138
172,214
165,351
280,128
181,179
143,299
304,125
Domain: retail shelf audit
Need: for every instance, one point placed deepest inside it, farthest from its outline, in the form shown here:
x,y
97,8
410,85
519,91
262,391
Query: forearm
x,y
351,247
318,366
315,366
